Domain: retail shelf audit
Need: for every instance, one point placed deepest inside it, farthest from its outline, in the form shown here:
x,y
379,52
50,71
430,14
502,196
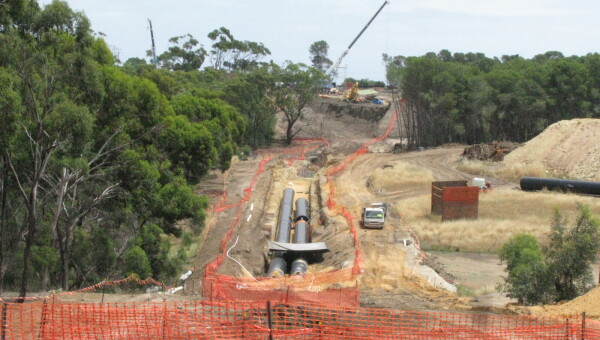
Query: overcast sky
x,y
404,27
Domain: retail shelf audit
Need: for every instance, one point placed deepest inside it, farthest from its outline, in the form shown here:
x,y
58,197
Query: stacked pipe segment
x,y
301,235
278,265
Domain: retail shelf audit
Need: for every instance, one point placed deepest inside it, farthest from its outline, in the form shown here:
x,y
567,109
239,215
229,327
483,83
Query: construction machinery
x,y
373,215
352,93
332,70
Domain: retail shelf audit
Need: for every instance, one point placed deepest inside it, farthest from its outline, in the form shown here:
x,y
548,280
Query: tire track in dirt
x,y
385,281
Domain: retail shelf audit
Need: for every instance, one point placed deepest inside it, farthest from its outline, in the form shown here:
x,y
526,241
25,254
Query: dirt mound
x,y
338,108
588,303
494,151
568,148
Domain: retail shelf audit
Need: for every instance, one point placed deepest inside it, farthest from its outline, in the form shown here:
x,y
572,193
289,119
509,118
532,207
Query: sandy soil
x,y
567,148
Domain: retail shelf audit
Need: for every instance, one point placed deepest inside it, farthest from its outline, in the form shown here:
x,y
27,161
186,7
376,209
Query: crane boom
x,y
333,68
153,46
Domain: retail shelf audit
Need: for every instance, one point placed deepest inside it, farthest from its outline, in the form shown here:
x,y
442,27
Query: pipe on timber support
x,y
539,183
278,265
302,210
302,235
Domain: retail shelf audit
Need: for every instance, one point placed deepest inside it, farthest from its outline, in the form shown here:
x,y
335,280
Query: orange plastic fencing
x,y
55,319
307,288
115,283
334,207
222,287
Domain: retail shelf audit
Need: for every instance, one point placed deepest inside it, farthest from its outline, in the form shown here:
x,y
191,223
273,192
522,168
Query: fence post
x,y
3,329
269,322
567,336
164,327
43,322
583,326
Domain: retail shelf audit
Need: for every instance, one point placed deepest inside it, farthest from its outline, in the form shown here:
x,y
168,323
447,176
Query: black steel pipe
x,y
301,234
285,216
299,267
302,210
278,265
539,183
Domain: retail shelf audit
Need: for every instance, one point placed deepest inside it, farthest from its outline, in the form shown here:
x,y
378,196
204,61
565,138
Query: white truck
x,y
373,215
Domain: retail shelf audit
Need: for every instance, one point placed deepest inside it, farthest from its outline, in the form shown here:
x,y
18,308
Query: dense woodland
x,y
470,98
100,158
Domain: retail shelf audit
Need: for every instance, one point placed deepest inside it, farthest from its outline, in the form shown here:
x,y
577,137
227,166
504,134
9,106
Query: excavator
x,y
352,93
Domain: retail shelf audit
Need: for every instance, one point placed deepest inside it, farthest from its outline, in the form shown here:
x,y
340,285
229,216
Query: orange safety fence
x,y
307,288
334,207
100,285
224,287
56,319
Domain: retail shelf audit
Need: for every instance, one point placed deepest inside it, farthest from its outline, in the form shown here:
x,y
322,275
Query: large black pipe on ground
x,y
539,183
302,210
278,265
301,235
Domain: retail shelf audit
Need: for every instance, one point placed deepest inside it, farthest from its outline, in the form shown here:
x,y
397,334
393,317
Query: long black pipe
x,y
539,183
301,235
302,212
278,265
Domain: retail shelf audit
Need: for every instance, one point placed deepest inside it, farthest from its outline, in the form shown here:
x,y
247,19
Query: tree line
x,y
100,160
470,98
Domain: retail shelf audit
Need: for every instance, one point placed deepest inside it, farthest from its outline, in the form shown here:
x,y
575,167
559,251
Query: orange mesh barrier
x,y
307,288
223,287
55,319
334,207
116,283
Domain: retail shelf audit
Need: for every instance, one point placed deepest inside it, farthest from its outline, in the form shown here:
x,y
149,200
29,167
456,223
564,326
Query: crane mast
x,y
153,46
333,68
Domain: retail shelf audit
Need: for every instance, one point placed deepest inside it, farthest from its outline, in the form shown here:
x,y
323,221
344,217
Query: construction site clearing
x,y
341,161
393,270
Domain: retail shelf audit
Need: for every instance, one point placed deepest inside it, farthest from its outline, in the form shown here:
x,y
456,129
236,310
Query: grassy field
x,y
502,214
511,173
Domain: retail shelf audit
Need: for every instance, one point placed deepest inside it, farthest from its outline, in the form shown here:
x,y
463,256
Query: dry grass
x,y
502,214
509,172
401,176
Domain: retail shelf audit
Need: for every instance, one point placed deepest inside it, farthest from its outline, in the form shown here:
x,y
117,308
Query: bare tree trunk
x,y
31,227
45,278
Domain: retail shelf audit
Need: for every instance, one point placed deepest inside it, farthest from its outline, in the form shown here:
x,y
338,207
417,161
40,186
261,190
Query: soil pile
x,y
493,151
568,148
588,303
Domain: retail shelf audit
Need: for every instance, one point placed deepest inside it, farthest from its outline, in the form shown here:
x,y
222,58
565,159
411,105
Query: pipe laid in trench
x,y
539,183
301,235
302,210
278,265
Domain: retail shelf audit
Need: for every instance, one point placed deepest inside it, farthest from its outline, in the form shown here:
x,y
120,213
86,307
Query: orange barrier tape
x,y
54,319
131,278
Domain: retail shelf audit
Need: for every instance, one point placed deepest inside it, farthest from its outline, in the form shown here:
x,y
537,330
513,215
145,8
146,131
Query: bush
x,y
136,262
528,279
563,271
